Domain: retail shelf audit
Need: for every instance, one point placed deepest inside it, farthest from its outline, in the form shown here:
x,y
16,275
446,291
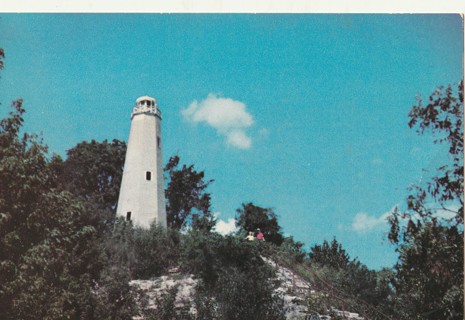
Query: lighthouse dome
x,y
146,105
146,100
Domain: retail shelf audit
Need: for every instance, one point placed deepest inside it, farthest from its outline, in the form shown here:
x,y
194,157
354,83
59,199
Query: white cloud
x,y
239,139
225,227
229,117
364,222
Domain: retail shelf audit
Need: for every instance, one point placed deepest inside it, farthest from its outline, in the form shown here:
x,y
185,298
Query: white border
x,y
236,6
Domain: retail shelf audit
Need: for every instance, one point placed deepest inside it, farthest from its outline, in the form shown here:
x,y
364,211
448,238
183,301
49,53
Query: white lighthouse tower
x,y
142,196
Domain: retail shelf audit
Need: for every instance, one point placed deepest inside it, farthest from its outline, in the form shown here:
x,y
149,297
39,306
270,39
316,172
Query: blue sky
x,y
306,114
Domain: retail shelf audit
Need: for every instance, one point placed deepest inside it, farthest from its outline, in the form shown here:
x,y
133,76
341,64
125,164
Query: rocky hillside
x,y
293,289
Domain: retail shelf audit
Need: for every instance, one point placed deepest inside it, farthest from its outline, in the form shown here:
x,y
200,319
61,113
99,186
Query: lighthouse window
x,y
128,216
148,175
158,142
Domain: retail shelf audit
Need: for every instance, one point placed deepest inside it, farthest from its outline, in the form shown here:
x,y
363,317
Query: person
x,y
250,237
260,235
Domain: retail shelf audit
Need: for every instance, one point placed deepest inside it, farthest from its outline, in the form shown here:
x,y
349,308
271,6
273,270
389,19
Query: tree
x,y
93,170
51,262
187,202
429,272
51,266
41,230
331,255
251,217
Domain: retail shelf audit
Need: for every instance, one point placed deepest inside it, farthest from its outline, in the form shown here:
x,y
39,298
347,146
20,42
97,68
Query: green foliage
x,y
114,297
166,309
368,285
156,250
52,272
294,249
199,255
119,247
187,203
319,302
429,272
143,253
24,172
347,283
251,217
205,305
235,283
239,295
331,255
51,263
39,227
93,170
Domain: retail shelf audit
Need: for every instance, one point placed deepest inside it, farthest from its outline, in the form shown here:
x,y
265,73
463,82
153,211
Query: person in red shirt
x,y
260,235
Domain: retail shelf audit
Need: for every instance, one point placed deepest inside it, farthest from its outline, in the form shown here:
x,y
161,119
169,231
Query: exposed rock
x,y
156,287
293,289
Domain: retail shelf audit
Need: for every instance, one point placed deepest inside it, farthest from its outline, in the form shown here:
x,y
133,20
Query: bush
x,y
156,250
234,282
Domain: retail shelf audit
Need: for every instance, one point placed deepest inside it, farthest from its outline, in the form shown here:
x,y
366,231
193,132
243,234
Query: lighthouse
x,y
142,196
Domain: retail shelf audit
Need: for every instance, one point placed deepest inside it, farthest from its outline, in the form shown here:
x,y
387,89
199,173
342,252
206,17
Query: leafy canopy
x,y
429,234
251,217
93,170
331,255
187,202
51,263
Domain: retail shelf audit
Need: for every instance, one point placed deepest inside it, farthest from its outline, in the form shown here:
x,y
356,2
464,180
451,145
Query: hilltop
x,y
178,290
